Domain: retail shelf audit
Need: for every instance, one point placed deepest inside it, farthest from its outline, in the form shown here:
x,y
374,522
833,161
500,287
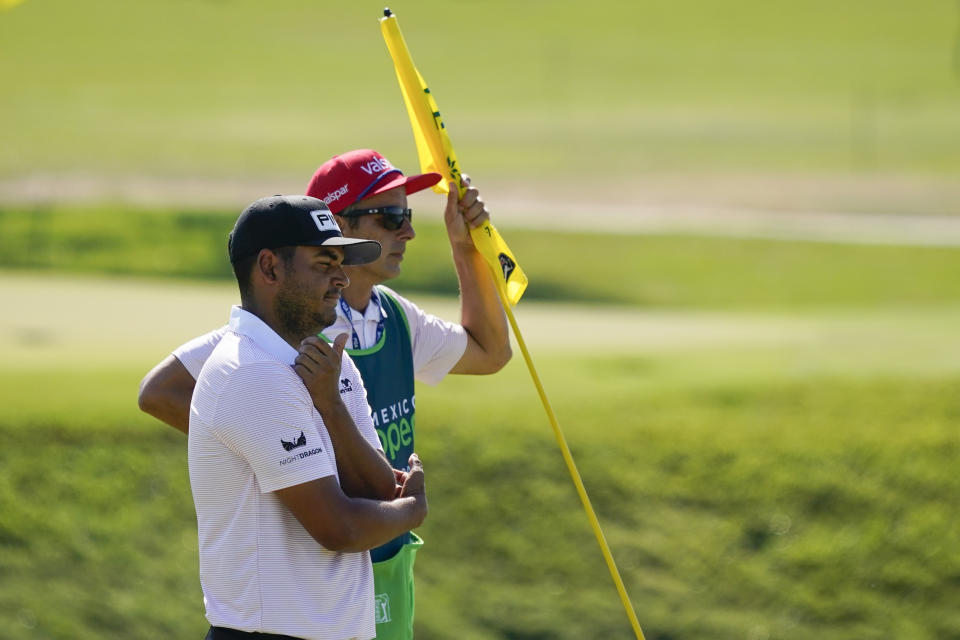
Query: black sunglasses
x,y
390,217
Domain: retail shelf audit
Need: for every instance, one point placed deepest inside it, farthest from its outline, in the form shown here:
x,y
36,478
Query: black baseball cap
x,y
285,221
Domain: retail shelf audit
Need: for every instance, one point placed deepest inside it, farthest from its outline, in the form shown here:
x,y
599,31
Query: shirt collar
x,y
245,323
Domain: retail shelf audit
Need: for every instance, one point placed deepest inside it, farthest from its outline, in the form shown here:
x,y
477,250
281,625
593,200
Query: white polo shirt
x,y
437,344
254,430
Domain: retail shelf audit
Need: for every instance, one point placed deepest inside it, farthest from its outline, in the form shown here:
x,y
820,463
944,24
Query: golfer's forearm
x,y
370,523
341,523
363,471
481,313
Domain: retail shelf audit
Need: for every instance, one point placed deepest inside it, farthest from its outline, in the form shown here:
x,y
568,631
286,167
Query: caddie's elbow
x,y
507,354
499,359
491,361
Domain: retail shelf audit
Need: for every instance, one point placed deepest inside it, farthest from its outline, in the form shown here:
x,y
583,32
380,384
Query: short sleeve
x,y
194,353
266,416
437,344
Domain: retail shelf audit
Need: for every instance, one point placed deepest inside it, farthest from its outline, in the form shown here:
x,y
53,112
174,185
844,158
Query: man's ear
x,y
268,266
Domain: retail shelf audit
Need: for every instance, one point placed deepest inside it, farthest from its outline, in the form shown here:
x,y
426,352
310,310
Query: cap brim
x,y
412,183
355,250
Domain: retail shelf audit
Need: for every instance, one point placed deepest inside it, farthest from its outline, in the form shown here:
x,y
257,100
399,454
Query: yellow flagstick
x,y
436,154
575,475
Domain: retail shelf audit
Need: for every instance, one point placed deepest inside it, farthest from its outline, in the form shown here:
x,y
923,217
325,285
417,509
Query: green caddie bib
x,y
387,372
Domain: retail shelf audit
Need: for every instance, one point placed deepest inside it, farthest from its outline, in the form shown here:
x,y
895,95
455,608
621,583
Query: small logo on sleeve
x,y
299,442
345,386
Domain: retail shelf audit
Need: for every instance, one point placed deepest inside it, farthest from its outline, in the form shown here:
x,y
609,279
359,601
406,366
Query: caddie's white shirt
x,y
254,430
437,344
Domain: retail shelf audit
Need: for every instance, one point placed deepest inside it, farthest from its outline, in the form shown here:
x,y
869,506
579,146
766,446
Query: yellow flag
x,y
437,155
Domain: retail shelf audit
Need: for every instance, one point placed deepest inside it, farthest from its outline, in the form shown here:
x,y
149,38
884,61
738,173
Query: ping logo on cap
x,y
324,221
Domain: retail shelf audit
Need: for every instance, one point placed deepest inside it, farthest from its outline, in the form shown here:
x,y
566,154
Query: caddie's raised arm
x,y
481,314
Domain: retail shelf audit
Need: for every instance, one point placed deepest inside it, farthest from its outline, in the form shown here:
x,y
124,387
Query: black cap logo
x,y
324,221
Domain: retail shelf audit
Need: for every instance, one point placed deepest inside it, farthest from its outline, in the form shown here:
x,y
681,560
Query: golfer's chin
x,y
324,319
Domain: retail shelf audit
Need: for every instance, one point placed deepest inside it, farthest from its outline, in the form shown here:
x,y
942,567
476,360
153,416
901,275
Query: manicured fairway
x,y
81,323
757,474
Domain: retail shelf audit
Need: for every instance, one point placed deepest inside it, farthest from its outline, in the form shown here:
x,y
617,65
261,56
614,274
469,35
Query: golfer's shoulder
x,y
239,362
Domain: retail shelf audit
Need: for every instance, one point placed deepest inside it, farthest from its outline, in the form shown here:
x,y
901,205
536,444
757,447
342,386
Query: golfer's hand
x,y
463,214
318,365
411,485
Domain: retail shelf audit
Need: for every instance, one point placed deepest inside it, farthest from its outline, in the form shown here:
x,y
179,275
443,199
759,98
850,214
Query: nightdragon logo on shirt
x,y
345,386
299,442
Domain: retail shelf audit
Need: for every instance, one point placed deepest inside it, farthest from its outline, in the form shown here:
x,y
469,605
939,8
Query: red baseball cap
x,y
355,175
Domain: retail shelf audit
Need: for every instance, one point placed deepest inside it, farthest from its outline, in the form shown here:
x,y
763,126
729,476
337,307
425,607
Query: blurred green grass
x,y
789,476
788,508
642,270
239,89
747,487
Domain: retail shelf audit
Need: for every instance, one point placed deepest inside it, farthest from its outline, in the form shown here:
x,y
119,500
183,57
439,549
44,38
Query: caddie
x,y
391,340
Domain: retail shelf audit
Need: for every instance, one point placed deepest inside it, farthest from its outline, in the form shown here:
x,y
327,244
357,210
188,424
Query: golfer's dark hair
x,y
244,267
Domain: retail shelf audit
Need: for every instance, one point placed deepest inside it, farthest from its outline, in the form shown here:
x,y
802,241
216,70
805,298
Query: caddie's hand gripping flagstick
x,y
436,155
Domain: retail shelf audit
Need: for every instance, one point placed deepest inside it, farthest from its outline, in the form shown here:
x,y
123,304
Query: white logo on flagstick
x,y
324,220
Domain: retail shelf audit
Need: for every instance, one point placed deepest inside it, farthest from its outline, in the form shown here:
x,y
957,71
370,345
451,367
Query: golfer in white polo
x,y
289,482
